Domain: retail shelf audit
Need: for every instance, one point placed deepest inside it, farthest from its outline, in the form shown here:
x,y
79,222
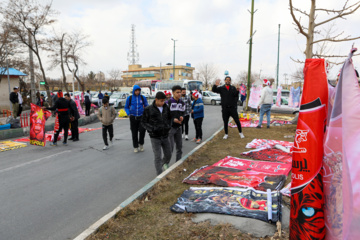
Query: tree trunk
x,y
62,62
310,38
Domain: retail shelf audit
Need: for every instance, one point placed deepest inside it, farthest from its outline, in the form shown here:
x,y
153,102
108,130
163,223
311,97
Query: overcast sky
x,y
208,31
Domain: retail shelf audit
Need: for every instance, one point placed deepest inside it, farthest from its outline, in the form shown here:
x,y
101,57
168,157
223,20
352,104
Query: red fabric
x,y
269,154
38,118
227,87
60,94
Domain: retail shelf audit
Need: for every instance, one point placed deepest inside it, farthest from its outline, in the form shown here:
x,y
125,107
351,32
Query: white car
x,y
118,99
212,98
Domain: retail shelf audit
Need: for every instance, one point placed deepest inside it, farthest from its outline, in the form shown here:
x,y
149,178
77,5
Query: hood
x,y
136,87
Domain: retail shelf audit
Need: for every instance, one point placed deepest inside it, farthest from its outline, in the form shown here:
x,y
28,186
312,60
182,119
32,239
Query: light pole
x,y
8,74
174,59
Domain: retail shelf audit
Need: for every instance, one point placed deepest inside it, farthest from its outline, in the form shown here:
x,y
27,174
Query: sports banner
x,y
10,145
266,143
254,98
278,97
269,154
38,117
307,200
231,201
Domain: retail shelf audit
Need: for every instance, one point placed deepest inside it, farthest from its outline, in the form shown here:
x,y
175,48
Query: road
x,y
58,192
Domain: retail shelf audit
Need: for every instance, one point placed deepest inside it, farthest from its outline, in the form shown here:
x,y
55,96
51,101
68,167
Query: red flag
x,y
38,118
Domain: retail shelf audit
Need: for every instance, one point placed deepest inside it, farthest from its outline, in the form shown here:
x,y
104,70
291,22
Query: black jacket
x,y
177,110
73,110
62,106
156,123
14,97
229,98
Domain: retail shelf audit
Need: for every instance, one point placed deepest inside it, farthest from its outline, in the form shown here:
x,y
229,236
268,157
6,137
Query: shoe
x,y
141,147
258,126
198,141
165,166
105,147
241,135
111,142
183,136
75,140
225,136
194,140
136,150
268,127
71,138
186,137
53,144
65,143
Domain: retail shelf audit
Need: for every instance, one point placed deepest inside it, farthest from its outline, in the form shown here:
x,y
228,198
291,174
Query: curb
x,y
20,132
140,192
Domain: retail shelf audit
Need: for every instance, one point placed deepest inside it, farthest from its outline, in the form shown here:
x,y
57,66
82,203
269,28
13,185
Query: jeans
x,y
137,130
106,129
75,129
63,124
186,124
226,114
198,130
176,138
158,144
265,108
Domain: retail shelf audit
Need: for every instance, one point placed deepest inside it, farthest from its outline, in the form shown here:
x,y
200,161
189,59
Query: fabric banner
x,y
341,158
278,97
269,154
294,97
307,200
38,118
78,106
254,98
10,145
286,190
265,143
231,201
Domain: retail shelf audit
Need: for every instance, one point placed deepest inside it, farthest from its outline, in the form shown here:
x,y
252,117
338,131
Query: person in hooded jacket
x,y
134,108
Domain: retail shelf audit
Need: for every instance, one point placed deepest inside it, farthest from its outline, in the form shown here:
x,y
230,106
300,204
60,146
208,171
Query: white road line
x,y
31,162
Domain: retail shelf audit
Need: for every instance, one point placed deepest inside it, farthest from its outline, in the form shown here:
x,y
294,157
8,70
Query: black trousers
x,y
198,127
137,130
63,124
226,114
106,129
75,129
20,109
87,108
186,124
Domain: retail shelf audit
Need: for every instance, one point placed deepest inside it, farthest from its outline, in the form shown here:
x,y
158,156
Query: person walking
x,y
42,101
197,113
63,108
87,103
156,120
177,109
106,115
134,108
73,119
266,100
20,103
14,99
100,98
229,98
185,124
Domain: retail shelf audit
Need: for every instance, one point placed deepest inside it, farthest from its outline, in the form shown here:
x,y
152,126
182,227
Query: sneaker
x,y
136,150
258,126
141,148
53,144
71,138
165,166
183,136
75,140
111,142
225,136
194,140
65,143
186,137
198,141
268,127
105,147
241,135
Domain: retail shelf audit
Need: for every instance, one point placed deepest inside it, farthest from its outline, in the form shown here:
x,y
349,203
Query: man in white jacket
x,y
265,103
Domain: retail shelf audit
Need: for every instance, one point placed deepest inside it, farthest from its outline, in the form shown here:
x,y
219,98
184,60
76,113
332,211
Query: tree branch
x,y
341,14
300,29
336,40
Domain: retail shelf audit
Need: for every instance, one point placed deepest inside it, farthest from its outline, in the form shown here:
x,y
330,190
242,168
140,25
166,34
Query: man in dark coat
x,y
74,113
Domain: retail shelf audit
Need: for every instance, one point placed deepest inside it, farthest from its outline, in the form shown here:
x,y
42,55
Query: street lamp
x,y
174,59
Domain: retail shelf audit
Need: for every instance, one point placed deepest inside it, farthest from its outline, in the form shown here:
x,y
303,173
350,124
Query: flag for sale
x,y
38,118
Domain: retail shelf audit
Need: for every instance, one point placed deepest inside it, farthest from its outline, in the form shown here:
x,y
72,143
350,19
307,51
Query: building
x,y
4,86
137,72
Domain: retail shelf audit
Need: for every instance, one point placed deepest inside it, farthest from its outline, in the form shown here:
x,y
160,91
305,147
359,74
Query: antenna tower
x,y
133,55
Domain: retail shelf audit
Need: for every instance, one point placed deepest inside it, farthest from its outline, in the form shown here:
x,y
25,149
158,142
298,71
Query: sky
x,y
207,31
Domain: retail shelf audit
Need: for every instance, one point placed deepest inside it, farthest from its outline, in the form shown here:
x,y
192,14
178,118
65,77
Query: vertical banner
x,y
38,118
278,97
341,159
307,200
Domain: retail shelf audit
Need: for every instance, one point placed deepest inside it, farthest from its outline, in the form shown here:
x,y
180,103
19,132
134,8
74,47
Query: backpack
x,y
130,98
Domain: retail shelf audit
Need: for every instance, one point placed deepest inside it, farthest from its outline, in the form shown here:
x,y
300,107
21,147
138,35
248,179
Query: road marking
x,y
31,162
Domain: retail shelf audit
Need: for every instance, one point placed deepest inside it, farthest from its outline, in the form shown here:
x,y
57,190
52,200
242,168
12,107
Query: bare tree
x,y
27,20
312,30
207,73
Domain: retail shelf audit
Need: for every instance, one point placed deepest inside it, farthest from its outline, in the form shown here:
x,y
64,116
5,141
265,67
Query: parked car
x,y
212,98
118,99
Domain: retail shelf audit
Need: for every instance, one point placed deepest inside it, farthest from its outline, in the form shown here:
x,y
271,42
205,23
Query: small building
x,y
14,76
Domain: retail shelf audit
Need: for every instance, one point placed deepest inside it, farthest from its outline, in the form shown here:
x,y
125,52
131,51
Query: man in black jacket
x,y
229,98
156,120
74,118
14,99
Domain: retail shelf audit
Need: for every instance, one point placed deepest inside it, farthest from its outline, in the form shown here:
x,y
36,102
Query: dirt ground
x,y
151,218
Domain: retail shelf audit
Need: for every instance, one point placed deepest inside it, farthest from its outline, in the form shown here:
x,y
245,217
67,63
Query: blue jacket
x,y
136,107
198,107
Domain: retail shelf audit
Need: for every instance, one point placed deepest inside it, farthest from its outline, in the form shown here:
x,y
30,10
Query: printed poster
x,y
38,117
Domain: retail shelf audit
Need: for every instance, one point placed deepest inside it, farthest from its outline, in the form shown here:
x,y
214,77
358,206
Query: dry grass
x,y
151,218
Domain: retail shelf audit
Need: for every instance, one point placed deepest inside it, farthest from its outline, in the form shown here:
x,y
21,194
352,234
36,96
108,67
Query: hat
x,y
16,87
167,92
196,94
266,82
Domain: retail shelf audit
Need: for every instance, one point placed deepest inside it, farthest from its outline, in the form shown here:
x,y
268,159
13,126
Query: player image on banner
x,y
307,200
38,118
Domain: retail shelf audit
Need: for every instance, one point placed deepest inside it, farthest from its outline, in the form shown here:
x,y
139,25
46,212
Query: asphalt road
x,y
58,192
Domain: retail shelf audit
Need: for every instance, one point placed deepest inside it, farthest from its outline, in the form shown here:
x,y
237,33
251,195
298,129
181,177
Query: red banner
x,y
269,154
38,118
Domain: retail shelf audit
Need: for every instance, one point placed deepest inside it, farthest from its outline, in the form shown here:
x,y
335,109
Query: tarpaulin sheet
x,y
230,201
269,154
38,117
266,143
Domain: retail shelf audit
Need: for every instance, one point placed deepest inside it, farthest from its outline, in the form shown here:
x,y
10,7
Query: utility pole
x,y
160,72
32,74
8,74
285,77
277,69
174,60
250,52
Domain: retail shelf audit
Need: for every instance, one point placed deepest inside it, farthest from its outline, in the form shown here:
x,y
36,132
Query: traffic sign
x,y
42,83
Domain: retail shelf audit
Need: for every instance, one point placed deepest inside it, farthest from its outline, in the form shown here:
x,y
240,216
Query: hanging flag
x,y
278,97
307,200
341,158
38,118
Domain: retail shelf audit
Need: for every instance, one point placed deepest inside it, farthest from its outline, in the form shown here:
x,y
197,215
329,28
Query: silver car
x,y
118,99
212,98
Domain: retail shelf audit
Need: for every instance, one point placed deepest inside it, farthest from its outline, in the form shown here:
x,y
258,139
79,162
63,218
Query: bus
x,y
150,84
190,85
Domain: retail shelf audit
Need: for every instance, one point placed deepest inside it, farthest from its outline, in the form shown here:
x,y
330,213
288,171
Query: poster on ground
x,y
269,154
10,145
231,201
38,118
